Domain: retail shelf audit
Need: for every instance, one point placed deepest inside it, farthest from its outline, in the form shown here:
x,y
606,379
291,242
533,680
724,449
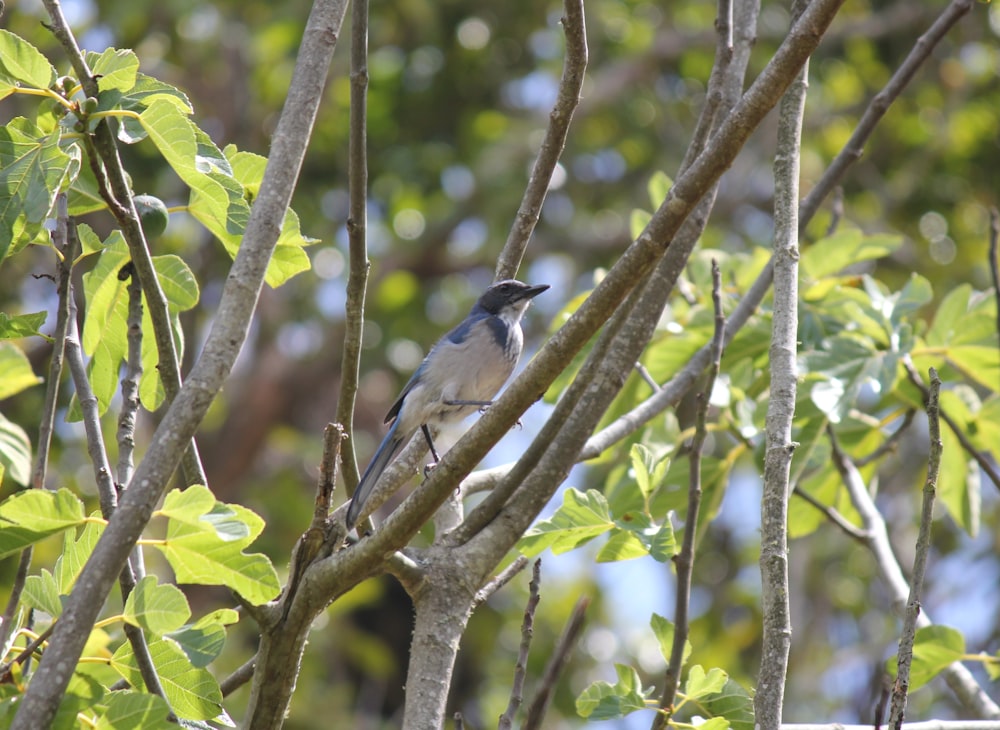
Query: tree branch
x,y
560,655
959,678
776,620
527,631
684,560
357,230
574,67
904,656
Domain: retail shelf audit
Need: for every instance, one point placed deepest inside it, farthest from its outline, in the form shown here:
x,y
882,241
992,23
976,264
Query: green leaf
x,y
15,451
700,684
22,62
733,703
846,247
648,469
114,68
581,518
664,631
846,364
622,545
156,608
964,327
191,692
77,549
42,593
35,514
15,371
205,541
13,327
934,648
203,640
32,172
604,701
130,710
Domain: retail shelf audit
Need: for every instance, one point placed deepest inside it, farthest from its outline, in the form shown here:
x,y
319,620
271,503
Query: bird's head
x,y
509,298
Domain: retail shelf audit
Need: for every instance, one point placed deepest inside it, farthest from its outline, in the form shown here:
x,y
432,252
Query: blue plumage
x,y
461,374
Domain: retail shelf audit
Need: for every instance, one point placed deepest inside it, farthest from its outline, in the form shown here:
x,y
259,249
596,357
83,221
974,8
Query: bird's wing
x,y
455,337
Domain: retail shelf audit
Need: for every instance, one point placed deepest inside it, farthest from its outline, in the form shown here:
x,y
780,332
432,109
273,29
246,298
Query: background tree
x,y
894,278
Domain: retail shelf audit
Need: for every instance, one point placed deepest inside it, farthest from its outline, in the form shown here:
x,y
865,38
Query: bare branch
x,y
958,677
357,231
684,560
238,678
880,104
833,515
527,631
560,655
65,245
904,656
502,579
776,619
574,66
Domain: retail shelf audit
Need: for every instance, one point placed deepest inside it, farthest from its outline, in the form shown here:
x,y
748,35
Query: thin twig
x,y
65,246
890,443
959,678
527,631
500,580
833,515
879,105
684,560
574,66
988,467
560,655
239,677
130,396
313,543
672,392
130,381
904,656
647,376
357,228
103,476
25,654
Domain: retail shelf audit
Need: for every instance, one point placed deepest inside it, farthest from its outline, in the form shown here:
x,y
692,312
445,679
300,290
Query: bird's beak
x,y
533,291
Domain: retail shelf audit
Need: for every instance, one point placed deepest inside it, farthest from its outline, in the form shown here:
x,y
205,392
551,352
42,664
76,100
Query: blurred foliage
x,y
458,99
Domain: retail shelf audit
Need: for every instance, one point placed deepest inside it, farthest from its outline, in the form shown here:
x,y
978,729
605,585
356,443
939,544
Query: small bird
x,y
460,375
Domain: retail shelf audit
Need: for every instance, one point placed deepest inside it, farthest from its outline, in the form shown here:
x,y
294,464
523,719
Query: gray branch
x,y
776,619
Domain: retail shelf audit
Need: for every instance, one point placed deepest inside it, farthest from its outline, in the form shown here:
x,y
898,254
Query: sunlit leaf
x,y
35,514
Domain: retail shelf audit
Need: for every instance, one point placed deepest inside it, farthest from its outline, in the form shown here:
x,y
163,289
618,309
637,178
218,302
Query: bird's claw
x,y
429,468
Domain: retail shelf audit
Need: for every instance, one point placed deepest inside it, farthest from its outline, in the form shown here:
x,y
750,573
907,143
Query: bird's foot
x,y
429,468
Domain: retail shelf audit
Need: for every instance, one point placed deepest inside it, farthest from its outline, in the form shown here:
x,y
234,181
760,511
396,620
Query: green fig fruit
x,y
152,214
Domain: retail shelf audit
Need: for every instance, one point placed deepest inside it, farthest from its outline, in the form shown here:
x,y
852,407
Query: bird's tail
x,y
385,452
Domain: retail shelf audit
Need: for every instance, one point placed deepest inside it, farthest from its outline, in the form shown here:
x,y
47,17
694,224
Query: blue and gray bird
x,y
460,375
